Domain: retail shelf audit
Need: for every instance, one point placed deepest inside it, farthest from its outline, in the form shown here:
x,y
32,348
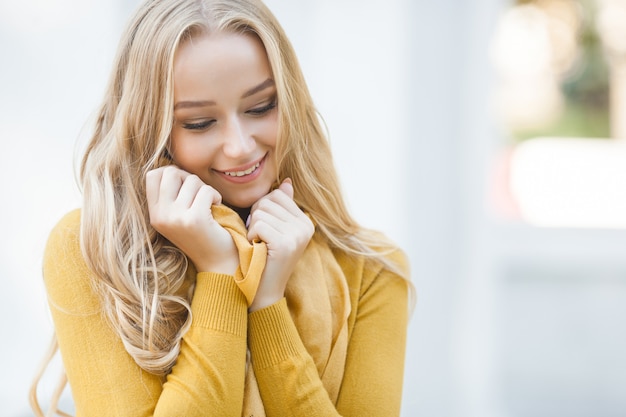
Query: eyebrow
x,y
190,104
265,84
204,103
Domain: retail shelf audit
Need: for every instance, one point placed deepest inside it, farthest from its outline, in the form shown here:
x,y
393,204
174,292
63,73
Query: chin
x,y
245,200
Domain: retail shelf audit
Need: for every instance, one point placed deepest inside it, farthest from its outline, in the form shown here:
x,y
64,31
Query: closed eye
x,y
260,111
205,124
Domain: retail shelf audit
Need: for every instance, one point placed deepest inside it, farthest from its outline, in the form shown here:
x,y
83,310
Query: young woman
x,y
213,269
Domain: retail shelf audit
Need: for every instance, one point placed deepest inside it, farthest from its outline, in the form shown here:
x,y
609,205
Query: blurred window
x,y
560,99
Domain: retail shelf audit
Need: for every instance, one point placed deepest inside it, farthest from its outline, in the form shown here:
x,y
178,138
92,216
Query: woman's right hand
x,y
179,205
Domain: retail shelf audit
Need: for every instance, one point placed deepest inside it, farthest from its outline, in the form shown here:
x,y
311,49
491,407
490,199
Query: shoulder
x,y
388,262
387,259
68,225
64,238
65,272
391,279
380,283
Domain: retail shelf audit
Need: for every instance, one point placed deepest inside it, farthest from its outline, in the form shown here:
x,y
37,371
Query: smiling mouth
x,y
243,173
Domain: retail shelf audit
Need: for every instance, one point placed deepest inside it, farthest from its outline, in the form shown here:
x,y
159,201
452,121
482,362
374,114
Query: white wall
x,y
55,59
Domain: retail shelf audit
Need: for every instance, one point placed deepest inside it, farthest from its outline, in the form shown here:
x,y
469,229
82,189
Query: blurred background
x,y
486,137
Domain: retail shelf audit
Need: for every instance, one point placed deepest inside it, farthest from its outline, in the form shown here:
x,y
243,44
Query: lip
x,y
244,178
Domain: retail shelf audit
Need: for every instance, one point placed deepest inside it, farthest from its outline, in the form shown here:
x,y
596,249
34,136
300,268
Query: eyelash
x,y
199,125
260,111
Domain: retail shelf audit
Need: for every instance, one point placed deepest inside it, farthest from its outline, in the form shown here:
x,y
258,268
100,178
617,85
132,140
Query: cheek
x,y
270,132
191,154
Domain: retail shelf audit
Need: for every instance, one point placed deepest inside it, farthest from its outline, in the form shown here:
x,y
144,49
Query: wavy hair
x,y
140,276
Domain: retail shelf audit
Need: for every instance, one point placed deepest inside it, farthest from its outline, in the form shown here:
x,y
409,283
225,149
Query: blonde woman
x,y
213,269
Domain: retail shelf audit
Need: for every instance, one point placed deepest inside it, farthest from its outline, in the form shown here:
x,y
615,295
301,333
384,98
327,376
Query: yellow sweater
x,y
208,378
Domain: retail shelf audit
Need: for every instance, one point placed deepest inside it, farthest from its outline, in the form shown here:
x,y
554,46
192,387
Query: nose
x,y
237,140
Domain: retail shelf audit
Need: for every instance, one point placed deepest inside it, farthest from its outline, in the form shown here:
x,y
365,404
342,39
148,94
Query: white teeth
x,y
242,173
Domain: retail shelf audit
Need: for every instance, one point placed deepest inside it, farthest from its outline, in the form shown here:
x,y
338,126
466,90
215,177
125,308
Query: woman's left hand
x,y
276,220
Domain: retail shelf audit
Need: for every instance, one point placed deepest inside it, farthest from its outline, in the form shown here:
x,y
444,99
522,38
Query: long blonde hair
x,y
141,277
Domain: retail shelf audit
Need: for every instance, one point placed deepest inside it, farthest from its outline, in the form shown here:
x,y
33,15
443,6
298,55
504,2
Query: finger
x,y
283,195
205,197
153,183
265,224
265,232
282,200
188,190
287,187
171,182
272,208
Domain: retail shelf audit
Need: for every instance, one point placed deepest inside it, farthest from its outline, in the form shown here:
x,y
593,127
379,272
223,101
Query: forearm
x,y
208,378
374,371
288,379
373,375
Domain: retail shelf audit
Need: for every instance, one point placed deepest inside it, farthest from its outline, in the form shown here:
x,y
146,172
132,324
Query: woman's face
x,y
226,115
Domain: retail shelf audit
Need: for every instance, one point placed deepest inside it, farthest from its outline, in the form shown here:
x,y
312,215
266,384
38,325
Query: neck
x,y
242,212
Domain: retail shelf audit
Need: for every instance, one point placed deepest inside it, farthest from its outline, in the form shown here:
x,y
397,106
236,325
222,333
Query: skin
x,y
223,146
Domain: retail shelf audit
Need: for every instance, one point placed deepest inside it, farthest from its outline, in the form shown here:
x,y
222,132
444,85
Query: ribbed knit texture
x,y
295,365
212,306
273,336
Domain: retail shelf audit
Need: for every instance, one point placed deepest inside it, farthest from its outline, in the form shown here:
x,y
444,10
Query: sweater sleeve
x,y
208,377
373,376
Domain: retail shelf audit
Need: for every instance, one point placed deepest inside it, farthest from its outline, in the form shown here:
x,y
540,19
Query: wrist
x,y
225,266
262,301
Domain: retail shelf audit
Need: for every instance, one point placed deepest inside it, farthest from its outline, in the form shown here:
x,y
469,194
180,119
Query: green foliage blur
x,y
585,86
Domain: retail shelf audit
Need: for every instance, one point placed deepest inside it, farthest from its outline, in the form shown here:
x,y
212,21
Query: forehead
x,y
222,59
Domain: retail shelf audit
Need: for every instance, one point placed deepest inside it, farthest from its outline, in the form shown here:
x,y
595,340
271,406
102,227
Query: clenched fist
x,y
179,205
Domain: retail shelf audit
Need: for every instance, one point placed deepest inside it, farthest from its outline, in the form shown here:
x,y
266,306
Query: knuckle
x,y
189,179
207,189
264,204
169,170
194,179
257,217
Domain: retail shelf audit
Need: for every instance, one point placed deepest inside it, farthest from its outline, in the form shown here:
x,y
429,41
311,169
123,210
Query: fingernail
x,y
248,221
